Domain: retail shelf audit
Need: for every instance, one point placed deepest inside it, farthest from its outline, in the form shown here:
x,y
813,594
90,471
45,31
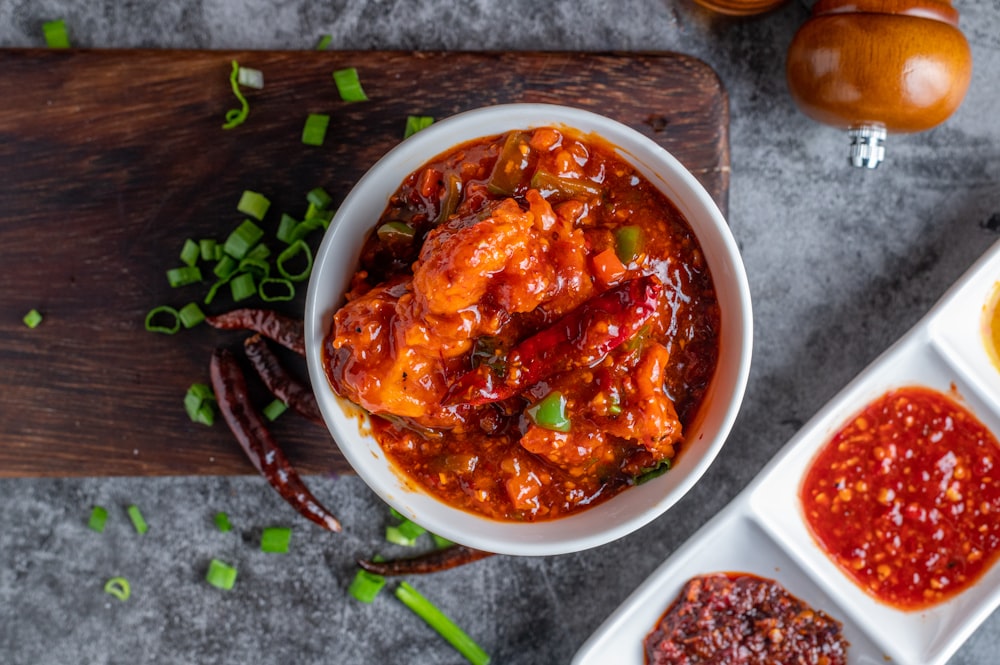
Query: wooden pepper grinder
x,y
879,66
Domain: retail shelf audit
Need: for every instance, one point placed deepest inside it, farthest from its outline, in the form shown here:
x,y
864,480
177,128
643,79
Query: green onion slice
x,y
253,204
251,78
349,85
365,586
184,276
222,522
414,123
314,131
98,518
273,410
208,247
290,253
319,198
56,34
199,403
242,286
221,575
137,519
226,266
324,42
440,542
158,313
406,533
190,253
285,228
236,117
190,315
32,318
242,239
118,587
275,539
440,622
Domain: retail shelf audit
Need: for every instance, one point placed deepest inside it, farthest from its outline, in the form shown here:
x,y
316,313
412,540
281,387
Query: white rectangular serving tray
x,y
762,531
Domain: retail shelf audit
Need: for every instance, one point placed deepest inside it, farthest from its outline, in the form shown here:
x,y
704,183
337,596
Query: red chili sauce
x,y
906,498
531,326
737,619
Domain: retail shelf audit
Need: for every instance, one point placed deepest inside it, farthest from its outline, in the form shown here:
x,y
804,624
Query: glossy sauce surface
x,y
906,498
494,264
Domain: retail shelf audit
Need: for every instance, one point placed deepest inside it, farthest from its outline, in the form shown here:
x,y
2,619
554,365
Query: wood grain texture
x,y
109,160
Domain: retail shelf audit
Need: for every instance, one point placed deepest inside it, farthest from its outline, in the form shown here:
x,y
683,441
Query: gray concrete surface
x,y
841,262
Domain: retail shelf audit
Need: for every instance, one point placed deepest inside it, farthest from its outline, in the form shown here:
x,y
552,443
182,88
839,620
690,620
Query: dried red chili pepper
x,y
288,332
431,562
580,338
256,441
277,379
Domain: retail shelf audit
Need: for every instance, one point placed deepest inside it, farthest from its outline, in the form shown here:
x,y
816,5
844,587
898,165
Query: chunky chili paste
x,y
736,619
906,498
532,325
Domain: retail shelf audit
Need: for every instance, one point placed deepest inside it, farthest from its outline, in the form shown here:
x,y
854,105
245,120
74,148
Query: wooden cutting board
x,y
109,160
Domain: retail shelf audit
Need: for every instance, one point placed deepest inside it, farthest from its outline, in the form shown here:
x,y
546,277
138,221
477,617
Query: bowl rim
x,y
615,517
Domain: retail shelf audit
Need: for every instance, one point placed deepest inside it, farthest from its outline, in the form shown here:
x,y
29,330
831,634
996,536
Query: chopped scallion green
x,y
273,289
226,266
163,311
184,276
290,253
349,85
319,198
314,131
56,34
98,517
274,409
324,42
242,286
365,586
198,402
437,620
190,253
190,315
221,575
275,539
137,519
258,267
118,587
251,78
440,542
236,117
242,239
259,252
405,533
285,228
253,204
414,123
222,522
208,247
32,318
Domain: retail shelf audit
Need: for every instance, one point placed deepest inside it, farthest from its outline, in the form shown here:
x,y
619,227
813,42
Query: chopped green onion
x,y
319,198
319,219
118,587
437,620
365,586
285,228
184,276
137,520
210,296
198,403
273,289
405,533
190,315
208,248
242,239
393,231
32,318
324,42
236,117
292,252
56,34
314,131
221,575
395,513
253,204
440,542
222,522
627,243
653,472
98,517
190,253
251,78
414,123
275,539
274,409
259,267
226,266
156,313
242,286
550,412
349,85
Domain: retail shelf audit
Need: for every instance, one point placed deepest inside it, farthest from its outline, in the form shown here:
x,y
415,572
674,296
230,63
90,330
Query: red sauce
x,y
737,619
480,251
906,498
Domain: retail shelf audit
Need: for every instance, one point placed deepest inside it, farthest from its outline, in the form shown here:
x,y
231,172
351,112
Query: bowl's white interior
x,y
631,509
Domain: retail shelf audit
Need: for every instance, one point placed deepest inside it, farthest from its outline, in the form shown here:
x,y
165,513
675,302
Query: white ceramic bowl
x,y
632,508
